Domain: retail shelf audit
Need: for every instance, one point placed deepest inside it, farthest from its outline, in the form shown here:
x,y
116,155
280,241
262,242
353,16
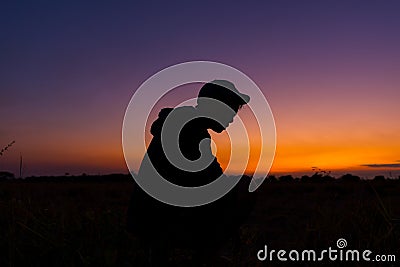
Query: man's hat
x,y
224,91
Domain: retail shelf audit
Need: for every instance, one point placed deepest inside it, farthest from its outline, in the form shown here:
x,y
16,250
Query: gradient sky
x,y
329,69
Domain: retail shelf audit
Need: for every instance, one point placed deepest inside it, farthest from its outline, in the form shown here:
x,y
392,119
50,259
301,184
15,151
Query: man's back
x,y
194,142
152,218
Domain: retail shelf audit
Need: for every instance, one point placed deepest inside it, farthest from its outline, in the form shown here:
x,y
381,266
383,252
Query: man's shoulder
x,y
178,113
188,110
189,116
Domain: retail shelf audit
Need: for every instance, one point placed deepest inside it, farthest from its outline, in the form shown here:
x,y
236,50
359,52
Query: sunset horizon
x,y
331,80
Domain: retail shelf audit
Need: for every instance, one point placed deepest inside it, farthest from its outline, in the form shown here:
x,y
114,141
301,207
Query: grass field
x,y
83,224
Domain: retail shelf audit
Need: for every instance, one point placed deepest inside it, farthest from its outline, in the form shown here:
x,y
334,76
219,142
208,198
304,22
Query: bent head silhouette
x,y
180,152
227,102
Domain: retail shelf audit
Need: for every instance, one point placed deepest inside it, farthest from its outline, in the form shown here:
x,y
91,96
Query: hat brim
x,y
244,98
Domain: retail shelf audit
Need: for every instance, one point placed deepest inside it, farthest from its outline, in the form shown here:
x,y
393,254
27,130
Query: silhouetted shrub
x,y
305,178
286,178
272,178
350,178
379,178
6,176
327,178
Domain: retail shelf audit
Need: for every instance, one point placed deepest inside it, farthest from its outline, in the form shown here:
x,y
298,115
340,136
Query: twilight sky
x,y
329,69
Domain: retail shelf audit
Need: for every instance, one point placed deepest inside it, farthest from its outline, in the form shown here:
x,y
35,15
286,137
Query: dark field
x,y
83,224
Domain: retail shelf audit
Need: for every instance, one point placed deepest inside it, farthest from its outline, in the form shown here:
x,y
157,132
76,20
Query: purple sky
x,y
330,70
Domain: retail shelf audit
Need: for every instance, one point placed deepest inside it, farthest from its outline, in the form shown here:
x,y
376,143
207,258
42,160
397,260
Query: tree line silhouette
x,y
119,177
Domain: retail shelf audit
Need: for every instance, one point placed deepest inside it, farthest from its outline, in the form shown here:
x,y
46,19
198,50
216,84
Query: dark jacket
x,y
192,133
153,220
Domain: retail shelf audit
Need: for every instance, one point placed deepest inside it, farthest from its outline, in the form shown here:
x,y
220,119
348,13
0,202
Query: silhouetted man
x,y
161,224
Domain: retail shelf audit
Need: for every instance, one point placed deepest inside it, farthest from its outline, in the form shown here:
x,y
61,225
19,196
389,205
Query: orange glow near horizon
x,y
321,136
330,139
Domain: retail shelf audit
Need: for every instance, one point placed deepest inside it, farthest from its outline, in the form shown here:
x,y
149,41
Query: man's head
x,y
219,100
